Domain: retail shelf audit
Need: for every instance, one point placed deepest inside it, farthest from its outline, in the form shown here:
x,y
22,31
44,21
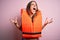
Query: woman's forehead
x,y
33,3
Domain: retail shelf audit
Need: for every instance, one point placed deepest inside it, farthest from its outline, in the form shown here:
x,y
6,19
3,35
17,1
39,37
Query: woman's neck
x,y
31,14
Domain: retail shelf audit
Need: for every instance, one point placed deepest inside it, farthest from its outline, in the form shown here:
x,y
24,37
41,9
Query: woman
x,y
31,23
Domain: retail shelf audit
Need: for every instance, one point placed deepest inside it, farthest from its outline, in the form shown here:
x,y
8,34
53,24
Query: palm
x,y
48,21
14,20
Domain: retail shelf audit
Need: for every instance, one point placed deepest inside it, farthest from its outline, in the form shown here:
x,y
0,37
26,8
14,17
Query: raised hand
x,y
48,21
14,20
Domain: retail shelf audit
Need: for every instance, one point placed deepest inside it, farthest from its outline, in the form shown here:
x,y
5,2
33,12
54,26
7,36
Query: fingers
x,y
13,20
48,21
51,20
46,18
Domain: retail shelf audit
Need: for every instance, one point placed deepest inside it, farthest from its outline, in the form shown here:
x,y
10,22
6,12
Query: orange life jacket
x,y
31,29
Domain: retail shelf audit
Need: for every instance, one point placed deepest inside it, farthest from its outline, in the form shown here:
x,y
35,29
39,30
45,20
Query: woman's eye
x,y
32,4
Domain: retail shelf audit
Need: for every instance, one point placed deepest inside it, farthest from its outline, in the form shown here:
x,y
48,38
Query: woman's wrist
x,y
44,25
15,23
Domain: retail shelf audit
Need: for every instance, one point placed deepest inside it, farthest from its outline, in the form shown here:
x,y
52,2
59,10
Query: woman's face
x,y
33,7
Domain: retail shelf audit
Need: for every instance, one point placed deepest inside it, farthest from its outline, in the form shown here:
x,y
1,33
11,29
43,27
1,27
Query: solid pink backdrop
x,y
11,8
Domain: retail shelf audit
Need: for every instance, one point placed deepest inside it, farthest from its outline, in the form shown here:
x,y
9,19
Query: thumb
x,y
12,20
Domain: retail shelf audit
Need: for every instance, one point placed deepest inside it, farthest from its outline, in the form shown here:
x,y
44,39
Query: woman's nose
x,y
34,6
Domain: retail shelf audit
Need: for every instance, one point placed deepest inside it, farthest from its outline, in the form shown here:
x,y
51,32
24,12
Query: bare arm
x,y
47,21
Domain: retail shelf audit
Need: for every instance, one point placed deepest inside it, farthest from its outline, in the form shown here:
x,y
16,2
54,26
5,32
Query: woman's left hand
x,y
48,21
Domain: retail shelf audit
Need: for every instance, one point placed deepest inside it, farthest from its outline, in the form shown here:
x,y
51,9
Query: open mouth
x,y
34,8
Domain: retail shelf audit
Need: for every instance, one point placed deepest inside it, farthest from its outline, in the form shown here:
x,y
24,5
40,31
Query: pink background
x,y
11,8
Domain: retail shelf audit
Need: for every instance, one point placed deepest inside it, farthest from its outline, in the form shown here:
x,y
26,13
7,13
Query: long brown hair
x,y
28,6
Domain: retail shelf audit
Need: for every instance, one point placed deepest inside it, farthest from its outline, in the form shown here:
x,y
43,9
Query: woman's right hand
x,y
14,20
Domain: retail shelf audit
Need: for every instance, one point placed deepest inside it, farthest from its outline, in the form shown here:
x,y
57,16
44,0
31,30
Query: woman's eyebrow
x,y
32,4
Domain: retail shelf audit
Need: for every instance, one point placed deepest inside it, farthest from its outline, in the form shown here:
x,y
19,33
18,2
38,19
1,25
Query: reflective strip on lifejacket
x,y
32,33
